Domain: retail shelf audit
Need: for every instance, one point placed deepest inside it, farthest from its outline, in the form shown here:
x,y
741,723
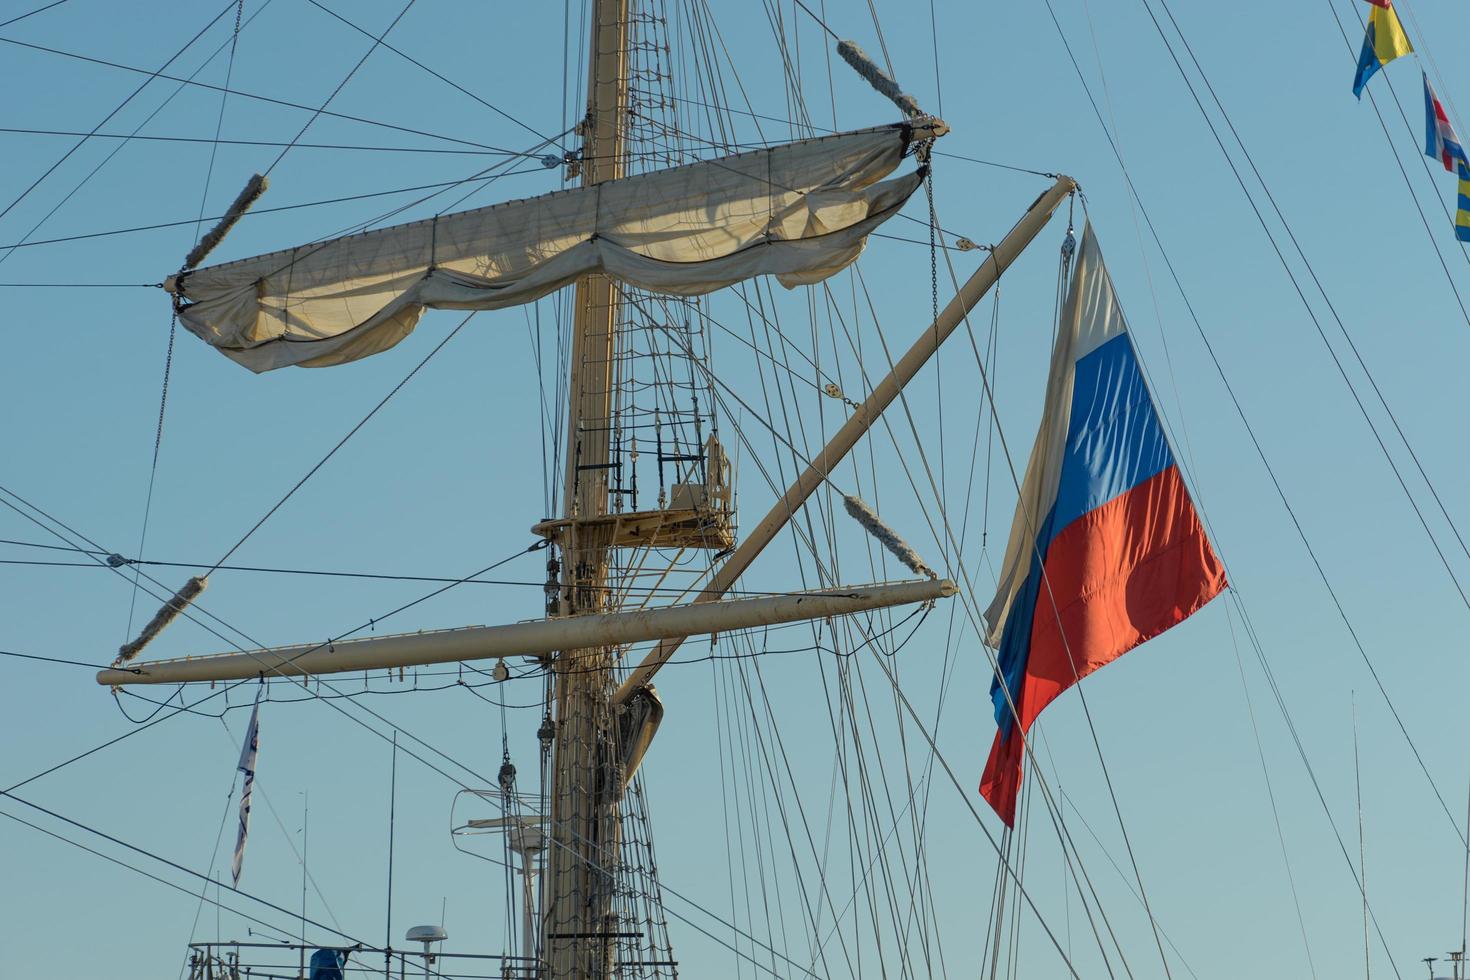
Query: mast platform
x,y
683,527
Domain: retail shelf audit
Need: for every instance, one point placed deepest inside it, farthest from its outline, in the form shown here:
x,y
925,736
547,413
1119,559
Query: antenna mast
x,y
578,921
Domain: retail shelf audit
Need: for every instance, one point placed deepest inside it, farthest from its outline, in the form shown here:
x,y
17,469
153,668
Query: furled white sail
x,y
800,211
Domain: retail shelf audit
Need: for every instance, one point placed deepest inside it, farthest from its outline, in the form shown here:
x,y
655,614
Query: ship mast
x,y
578,922
594,738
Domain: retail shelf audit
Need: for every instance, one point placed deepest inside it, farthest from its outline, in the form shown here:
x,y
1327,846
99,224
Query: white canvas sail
x,y
800,211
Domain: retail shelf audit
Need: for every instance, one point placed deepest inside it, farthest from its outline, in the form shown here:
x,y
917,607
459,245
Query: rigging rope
x,y
340,85
1260,452
341,442
201,894
1271,795
1342,372
124,140
31,13
172,864
968,593
440,186
195,585
452,84
246,95
120,106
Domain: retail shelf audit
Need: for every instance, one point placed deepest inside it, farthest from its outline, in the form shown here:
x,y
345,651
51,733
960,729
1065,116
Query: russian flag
x,y
1106,550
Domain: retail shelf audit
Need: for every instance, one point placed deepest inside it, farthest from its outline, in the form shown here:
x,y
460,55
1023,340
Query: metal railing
x,y
236,960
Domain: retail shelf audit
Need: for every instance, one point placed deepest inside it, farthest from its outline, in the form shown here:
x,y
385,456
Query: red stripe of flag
x,y
1117,576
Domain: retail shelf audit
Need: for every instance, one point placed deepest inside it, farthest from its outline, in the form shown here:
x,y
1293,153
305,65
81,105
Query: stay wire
x,y
158,73
1409,186
969,611
1271,795
157,718
153,855
340,85
31,13
1342,328
1194,317
202,894
163,593
52,660
360,147
1122,875
483,779
968,593
219,836
482,175
965,796
451,83
1342,371
274,668
124,140
628,590
820,22
173,324
342,442
250,95
1434,242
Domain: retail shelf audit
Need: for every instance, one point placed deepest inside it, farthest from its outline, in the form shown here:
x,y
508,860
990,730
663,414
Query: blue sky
x,y
448,477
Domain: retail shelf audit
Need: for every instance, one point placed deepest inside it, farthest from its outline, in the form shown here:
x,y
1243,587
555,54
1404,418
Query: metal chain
x,y
933,244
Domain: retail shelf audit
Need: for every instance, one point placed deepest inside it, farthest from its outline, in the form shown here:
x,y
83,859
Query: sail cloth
x,y
1106,549
799,211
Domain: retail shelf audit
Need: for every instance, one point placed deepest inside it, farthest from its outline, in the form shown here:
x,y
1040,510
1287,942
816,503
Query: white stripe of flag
x,y
247,766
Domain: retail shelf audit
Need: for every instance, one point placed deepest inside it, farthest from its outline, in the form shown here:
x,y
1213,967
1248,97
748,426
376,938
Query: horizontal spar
x,y
535,638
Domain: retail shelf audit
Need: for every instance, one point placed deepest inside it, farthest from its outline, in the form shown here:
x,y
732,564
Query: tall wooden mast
x,y
578,916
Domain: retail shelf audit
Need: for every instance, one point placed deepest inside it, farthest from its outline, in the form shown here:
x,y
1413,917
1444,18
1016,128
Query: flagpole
x,y
392,806
305,824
